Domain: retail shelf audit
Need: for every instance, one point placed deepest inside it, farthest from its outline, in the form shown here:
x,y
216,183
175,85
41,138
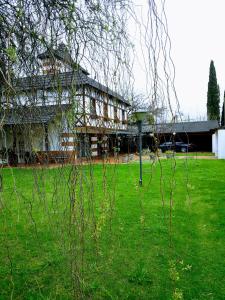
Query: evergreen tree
x,y
222,114
213,95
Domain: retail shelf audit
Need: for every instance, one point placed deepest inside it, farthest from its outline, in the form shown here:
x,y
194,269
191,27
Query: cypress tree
x,y
213,95
222,114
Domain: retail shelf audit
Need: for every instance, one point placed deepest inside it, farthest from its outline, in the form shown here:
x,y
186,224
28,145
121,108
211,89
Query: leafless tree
x,y
95,32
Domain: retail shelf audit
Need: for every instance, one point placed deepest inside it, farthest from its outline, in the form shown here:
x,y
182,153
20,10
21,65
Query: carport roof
x,y
182,127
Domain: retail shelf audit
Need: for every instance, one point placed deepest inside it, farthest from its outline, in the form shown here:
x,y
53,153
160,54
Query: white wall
x,y
221,143
215,143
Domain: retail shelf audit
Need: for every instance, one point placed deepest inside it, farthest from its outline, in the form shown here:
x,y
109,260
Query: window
x,y
21,149
46,97
93,107
116,119
51,66
123,117
40,97
50,97
105,110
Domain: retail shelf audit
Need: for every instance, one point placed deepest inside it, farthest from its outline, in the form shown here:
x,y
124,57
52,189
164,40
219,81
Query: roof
x,y
66,79
32,114
62,53
182,127
77,77
103,88
50,81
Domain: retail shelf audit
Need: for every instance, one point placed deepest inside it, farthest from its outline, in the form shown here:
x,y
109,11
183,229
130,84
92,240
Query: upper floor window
x,y
105,110
47,97
93,110
123,116
22,99
41,97
116,118
51,97
51,66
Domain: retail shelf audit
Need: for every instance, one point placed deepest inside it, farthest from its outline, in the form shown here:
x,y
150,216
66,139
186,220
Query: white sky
x,y
197,32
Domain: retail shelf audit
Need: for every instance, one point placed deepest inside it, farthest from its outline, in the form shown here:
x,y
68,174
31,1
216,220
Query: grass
x,y
103,237
195,154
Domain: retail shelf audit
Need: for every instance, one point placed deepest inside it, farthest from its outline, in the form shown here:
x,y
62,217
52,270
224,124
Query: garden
x,y
90,232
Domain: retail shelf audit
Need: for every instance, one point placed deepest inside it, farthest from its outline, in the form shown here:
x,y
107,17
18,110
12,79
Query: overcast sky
x,y
197,32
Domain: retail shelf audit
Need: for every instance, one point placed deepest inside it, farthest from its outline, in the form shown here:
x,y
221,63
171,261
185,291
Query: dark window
x,y
123,116
105,110
93,107
116,119
21,149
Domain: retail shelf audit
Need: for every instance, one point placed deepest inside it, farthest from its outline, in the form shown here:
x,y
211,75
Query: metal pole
x,y
140,150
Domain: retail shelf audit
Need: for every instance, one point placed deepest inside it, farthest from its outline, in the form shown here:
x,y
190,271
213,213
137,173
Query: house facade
x,y
61,113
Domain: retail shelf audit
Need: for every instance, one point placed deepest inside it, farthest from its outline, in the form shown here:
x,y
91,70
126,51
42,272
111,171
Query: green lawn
x,y
195,154
93,233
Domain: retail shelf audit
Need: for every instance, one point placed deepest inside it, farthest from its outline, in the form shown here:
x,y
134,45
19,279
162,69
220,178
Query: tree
x,y
93,31
141,101
213,95
222,114
77,211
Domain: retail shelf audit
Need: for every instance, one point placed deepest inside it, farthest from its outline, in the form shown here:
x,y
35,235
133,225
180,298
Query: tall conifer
x,y
213,95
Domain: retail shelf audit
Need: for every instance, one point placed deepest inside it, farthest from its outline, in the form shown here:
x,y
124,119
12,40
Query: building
x,y
218,142
197,132
62,113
